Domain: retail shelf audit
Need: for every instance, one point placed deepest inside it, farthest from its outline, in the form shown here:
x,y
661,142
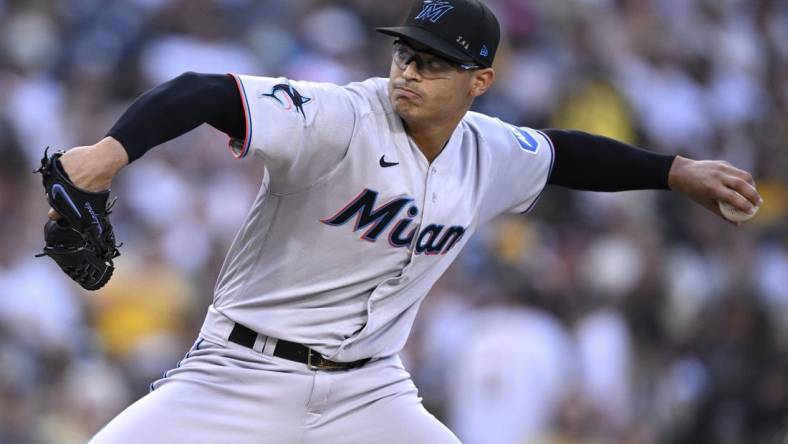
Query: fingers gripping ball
x,y
734,214
82,243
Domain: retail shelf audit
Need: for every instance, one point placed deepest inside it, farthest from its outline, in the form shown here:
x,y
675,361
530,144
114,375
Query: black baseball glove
x,y
81,242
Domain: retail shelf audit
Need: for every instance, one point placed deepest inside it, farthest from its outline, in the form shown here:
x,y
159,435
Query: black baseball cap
x,y
464,31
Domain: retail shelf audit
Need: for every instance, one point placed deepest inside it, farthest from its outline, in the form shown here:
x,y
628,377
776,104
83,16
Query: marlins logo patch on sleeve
x,y
289,98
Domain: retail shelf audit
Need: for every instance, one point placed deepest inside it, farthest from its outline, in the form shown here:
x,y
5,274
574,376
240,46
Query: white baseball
x,y
733,214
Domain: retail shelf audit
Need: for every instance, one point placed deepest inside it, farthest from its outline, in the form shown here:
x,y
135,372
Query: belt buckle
x,y
321,362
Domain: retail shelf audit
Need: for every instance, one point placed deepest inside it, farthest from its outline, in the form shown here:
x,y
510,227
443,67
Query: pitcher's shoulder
x,y
497,134
370,96
484,127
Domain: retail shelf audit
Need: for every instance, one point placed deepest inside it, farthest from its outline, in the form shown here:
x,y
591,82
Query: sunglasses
x,y
429,66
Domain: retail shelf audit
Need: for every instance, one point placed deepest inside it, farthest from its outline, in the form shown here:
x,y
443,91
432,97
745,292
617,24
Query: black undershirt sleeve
x,y
583,161
177,107
594,163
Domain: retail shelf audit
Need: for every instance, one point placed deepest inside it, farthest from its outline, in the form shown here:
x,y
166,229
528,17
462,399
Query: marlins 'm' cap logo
x,y
433,10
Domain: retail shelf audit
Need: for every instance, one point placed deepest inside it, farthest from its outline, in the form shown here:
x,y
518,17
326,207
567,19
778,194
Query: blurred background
x,y
599,318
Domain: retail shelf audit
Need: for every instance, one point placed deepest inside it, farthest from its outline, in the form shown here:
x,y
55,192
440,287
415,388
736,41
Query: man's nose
x,y
411,71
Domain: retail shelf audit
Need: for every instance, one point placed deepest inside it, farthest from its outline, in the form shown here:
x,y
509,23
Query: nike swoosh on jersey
x,y
385,164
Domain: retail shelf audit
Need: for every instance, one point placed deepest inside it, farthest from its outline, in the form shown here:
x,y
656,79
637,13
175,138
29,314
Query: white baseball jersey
x,y
353,225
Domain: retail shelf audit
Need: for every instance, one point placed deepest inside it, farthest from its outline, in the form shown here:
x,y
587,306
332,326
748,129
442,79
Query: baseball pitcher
x,y
370,191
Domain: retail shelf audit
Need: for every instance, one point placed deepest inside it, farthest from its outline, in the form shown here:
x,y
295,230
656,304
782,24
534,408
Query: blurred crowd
x,y
598,318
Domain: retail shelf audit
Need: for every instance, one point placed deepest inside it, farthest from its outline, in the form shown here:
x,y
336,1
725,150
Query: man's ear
x,y
481,81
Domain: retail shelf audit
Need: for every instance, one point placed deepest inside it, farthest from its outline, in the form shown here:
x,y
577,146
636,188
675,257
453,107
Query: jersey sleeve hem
x,y
547,176
238,148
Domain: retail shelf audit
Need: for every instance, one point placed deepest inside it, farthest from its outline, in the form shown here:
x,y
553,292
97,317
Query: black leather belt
x,y
245,336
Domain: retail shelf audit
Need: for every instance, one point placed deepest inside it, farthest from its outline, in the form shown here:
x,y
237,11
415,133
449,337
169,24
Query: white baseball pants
x,y
227,393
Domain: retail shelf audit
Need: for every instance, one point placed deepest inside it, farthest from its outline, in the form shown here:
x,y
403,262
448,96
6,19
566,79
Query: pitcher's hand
x,y
708,182
92,168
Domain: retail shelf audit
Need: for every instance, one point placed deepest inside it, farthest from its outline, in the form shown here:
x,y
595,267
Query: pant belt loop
x,y
269,346
259,343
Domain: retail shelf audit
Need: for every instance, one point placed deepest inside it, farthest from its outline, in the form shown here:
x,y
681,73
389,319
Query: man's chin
x,y
405,109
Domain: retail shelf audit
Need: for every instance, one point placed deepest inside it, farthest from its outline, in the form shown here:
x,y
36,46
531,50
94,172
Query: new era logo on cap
x,y
434,10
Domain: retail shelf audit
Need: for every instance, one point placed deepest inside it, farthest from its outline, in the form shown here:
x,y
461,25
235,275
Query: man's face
x,y
429,88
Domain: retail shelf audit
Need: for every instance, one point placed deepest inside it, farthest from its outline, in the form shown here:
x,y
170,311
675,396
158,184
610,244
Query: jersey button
x,y
434,197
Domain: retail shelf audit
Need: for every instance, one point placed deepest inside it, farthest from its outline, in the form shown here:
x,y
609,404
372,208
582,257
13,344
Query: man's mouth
x,y
406,92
